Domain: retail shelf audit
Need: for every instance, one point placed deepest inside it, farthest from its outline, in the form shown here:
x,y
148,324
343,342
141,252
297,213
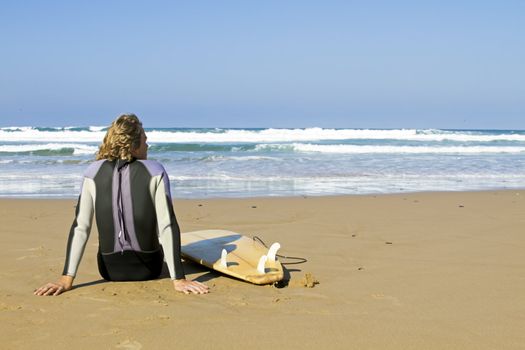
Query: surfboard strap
x,y
299,260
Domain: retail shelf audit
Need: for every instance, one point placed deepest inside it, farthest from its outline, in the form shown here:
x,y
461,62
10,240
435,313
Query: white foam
x,y
242,158
34,135
356,149
318,134
96,134
97,128
78,148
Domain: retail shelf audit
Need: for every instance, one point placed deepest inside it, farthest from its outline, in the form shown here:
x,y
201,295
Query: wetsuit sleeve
x,y
81,228
169,232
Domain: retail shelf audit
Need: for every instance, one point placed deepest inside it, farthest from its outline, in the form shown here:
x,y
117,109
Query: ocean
x,y
225,162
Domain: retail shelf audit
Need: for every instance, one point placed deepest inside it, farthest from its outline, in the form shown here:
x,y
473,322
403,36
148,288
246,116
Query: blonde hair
x,y
121,138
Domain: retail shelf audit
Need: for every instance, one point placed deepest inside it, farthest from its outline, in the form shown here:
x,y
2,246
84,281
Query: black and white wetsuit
x,y
134,213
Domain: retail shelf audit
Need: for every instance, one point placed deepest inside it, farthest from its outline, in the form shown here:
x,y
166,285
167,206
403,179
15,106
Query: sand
x,y
408,271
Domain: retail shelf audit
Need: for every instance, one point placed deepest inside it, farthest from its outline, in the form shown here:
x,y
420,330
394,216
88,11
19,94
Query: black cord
x,y
300,260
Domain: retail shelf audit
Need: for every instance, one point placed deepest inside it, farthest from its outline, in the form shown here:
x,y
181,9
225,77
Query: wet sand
x,y
407,271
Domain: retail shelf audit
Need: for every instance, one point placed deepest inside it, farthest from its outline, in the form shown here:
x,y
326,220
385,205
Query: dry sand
x,y
410,271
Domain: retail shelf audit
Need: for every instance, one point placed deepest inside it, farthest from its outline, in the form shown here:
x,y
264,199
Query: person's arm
x,y
78,236
169,237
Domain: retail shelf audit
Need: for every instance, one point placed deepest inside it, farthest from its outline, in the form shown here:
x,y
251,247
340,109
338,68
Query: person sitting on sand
x,y
130,197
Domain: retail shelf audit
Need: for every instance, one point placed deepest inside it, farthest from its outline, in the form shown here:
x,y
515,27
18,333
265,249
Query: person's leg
x,y
102,267
130,265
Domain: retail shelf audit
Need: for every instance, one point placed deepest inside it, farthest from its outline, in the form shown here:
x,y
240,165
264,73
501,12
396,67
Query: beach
x,y
428,270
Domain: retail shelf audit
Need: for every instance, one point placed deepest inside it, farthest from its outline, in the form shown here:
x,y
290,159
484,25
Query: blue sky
x,y
365,64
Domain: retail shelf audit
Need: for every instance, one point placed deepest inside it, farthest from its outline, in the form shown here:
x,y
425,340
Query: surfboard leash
x,y
299,260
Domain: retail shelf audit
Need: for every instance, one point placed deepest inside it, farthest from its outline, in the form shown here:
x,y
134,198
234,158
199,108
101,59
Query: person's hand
x,y
187,287
64,284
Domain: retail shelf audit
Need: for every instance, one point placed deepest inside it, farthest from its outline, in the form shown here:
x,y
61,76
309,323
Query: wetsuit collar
x,y
121,163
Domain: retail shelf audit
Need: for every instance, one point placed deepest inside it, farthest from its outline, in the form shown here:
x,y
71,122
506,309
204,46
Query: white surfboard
x,y
233,254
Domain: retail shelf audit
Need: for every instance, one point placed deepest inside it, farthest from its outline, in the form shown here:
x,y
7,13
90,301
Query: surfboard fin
x,y
273,251
223,259
262,262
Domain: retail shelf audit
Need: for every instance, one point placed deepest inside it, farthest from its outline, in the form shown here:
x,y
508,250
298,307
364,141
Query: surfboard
x,y
233,254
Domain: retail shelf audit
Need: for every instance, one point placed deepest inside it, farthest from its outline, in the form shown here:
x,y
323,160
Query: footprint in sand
x,y
37,252
129,344
9,307
33,249
95,299
27,256
379,296
238,301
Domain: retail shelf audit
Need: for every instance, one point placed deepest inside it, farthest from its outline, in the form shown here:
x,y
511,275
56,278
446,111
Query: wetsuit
x,y
134,213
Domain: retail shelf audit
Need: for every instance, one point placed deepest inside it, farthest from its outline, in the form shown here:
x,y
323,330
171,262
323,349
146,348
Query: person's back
x,y
130,198
130,201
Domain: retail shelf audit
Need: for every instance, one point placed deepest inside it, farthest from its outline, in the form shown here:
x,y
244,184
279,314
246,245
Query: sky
x,y
333,64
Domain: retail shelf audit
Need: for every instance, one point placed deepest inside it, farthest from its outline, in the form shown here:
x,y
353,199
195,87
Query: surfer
x,y
131,200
